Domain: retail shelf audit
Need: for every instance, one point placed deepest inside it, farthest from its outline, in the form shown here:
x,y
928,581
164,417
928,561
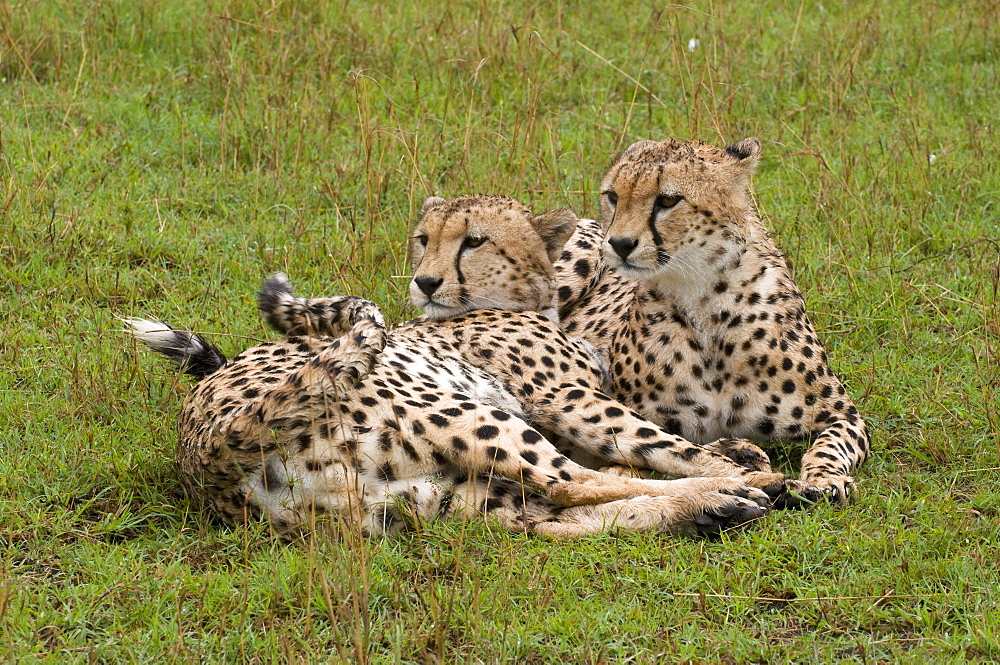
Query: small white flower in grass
x,y
693,44
931,159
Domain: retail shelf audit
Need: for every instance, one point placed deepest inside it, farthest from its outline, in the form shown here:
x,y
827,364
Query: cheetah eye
x,y
665,201
612,198
473,242
422,239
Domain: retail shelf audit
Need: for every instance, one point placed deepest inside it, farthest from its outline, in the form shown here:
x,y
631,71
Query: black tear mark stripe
x,y
657,238
458,267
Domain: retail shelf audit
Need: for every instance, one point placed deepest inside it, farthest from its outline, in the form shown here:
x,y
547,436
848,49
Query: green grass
x,y
159,158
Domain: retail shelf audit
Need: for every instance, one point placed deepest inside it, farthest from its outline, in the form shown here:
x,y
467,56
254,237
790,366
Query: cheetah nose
x,y
623,246
428,284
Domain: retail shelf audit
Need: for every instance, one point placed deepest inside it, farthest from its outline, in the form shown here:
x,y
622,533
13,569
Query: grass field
x,y
160,158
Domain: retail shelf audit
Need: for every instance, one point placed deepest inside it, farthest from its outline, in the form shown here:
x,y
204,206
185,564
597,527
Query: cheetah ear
x,y
745,154
555,227
430,203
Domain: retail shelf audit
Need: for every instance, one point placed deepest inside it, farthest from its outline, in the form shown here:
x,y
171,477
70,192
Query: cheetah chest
x,y
699,386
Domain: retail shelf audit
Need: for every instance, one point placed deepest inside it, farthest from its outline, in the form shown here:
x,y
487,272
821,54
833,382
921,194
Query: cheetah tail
x,y
190,352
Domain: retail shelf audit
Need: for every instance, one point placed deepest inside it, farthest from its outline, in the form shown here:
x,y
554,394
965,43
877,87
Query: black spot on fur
x,y
494,453
487,432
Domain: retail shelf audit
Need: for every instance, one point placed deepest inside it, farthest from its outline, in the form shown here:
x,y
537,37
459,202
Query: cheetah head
x,y
668,207
485,252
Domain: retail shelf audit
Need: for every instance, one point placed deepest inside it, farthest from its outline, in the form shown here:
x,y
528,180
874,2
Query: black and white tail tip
x,y
192,354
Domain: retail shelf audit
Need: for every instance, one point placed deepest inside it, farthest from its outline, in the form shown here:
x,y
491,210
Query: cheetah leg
x,y
608,429
489,440
308,391
742,451
625,471
827,465
331,373
340,315
691,512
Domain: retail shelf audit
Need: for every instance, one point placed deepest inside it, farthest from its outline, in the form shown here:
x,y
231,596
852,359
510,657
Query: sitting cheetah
x,y
432,419
704,327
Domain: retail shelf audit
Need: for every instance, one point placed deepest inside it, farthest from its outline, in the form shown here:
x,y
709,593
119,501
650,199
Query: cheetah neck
x,y
710,287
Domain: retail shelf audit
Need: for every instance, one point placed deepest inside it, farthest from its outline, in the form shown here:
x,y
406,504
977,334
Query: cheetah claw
x,y
758,496
773,484
802,493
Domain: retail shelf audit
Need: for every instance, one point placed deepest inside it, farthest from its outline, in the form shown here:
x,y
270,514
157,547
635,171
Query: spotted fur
x,y
441,418
705,330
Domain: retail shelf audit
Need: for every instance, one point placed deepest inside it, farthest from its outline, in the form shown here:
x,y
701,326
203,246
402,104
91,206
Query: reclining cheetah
x,y
432,419
705,330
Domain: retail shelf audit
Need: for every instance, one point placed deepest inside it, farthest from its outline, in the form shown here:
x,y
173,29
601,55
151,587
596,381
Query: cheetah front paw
x,y
836,489
742,451
805,492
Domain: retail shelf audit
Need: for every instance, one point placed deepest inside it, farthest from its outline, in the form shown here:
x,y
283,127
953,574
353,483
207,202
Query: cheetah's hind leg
x,y
336,316
696,513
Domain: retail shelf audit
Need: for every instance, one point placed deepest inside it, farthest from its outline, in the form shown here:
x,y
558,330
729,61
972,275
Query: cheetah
x,y
384,429
686,292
